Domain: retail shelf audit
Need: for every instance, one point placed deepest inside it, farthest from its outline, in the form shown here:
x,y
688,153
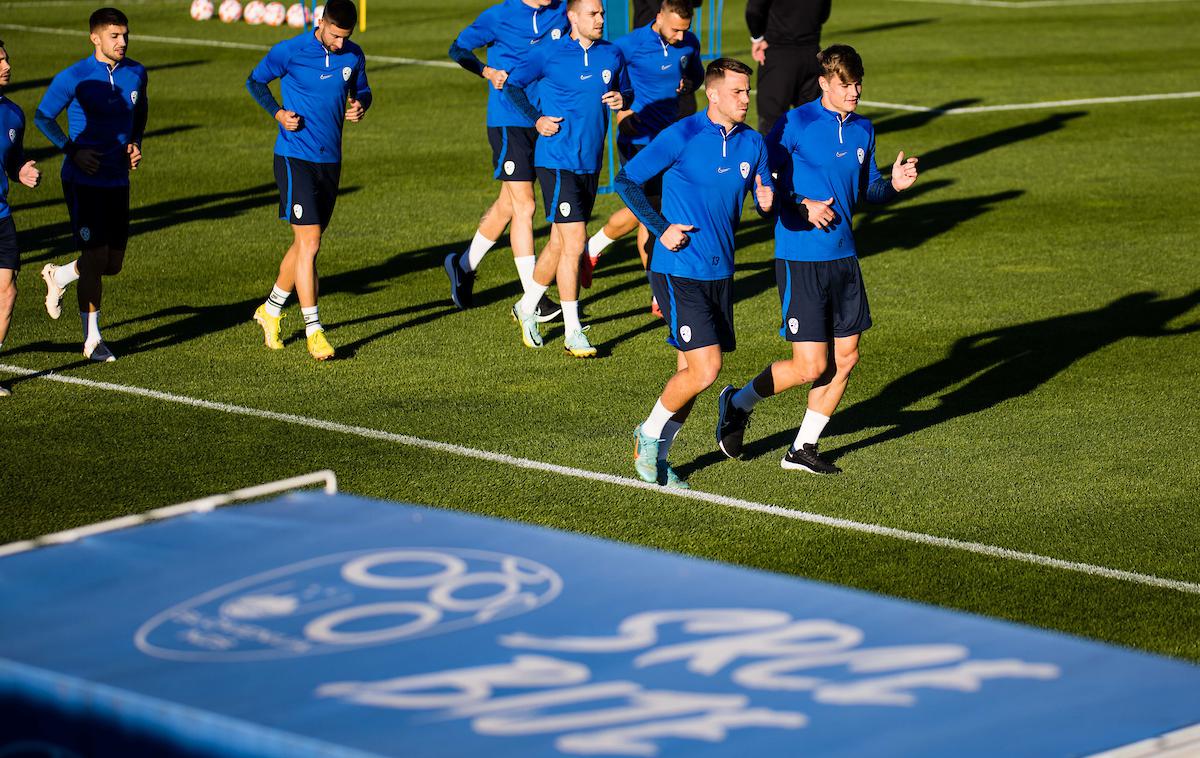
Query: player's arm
x,y
479,34
17,168
756,21
360,97
781,144
141,114
693,73
881,189
656,158
521,77
58,96
764,184
272,67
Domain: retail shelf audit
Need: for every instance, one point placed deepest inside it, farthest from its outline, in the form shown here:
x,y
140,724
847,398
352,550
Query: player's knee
x,y
309,248
706,375
113,265
807,370
846,361
523,207
8,294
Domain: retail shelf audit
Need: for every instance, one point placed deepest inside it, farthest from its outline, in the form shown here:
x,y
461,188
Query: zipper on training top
x,y
664,44
535,12
110,70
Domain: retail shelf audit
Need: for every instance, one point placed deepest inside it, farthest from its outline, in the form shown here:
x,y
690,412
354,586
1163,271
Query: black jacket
x,y
787,22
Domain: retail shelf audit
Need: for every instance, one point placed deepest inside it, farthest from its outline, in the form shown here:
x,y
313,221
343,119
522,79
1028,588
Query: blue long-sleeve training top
x,y
12,150
818,155
510,31
106,111
654,70
707,172
315,84
571,79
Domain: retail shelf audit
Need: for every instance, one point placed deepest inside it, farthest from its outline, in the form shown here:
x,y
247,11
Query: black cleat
x,y
806,459
731,423
546,310
462,283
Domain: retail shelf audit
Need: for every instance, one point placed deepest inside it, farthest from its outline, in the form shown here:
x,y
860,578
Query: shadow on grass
x,y
45,82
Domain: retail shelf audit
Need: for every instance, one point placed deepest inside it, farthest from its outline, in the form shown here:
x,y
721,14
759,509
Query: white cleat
x,y
99,352
54,293
5,392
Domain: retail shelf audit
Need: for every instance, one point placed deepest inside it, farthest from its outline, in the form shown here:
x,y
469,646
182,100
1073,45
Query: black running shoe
x,y
806,459
547,310
731,423
462,283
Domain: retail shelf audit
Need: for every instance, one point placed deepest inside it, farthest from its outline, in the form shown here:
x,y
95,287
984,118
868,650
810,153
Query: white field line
x,y
621,481
1010,4
1035,106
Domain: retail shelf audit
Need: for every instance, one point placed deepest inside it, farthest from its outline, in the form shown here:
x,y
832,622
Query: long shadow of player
x,y
986,369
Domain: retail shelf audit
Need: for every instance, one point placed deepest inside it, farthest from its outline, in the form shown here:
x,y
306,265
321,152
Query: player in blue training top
x,y
510,31
323,79
104,96
708,163
824,156
18,169
662,61
578,78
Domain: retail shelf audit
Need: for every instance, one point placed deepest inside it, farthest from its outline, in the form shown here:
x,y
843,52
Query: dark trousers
x,y
787,79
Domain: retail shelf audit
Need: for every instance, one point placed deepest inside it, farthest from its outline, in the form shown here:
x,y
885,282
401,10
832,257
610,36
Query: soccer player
x,y
323,78
662,61
824,156
16,168
509,31
578,78
709,162
105,98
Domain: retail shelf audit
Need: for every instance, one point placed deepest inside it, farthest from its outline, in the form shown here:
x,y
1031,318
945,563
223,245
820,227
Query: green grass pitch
x,y
1031,381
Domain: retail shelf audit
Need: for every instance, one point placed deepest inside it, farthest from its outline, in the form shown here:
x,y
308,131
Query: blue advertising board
x,y
317,625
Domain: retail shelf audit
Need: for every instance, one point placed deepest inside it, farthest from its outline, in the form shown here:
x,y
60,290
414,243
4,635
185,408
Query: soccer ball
x,y
254,12
298,15
202,10
275,14
230,10
318,13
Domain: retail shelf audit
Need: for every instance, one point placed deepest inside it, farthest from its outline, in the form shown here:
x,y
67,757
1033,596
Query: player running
x,y
104,96
824,156
708,163
578,78
662,61
16,168
323,78
509,31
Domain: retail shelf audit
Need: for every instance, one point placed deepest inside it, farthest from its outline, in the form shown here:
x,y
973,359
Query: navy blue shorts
x,y
699,313
307,190
821,300
99,215
512,152
10,256
627,150
569,196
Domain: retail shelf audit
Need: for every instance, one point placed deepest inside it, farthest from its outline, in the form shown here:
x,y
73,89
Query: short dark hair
x,y
107,17
716,69
341,13
841,61
681,8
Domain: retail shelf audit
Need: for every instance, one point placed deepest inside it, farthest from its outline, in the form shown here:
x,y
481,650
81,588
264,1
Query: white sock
x,y
533,293
657,420
570,316
598,242
64,275
670,429
91,327
810,428
275,301
312,322
525,264
746,398
479,247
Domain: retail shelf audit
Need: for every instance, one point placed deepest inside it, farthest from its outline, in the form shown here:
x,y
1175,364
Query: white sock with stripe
x,y
275,301
312,322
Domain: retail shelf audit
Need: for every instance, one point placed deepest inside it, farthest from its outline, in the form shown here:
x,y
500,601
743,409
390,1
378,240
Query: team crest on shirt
x,y
793,325
346,74
861,155
606,75
85,234
12,135
133,97
564,209
745,168
555,33
682,61
509,167
298,210
685,333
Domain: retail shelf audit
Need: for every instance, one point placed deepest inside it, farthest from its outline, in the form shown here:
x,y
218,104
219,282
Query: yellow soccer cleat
x,y
577,344
318,346
270,326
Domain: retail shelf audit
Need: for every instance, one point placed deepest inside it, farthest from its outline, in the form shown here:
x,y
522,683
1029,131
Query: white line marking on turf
x,y
526,463
1042,3
1035,106
217,43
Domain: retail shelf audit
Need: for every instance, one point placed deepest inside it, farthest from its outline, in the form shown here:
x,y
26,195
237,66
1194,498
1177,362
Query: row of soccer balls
x,y
257,12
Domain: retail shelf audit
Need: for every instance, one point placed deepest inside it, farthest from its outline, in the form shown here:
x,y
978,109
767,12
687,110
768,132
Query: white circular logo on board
x,y
793,325
745,167
133,97
685,332
564,209
509,167
861,155
346,74
85,234
556,33
298,210
606,75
